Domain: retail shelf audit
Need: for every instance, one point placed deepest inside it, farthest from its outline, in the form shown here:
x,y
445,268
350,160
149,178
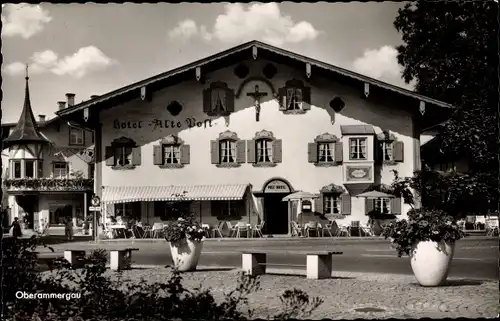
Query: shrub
x,y
104,299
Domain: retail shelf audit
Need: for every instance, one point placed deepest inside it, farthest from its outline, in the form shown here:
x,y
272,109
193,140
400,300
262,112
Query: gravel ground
x,y
397,295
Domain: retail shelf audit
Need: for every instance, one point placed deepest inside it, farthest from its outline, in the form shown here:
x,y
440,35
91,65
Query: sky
x,y
91,49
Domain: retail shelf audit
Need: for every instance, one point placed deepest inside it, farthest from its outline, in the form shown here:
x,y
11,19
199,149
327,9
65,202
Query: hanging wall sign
x,y
277,187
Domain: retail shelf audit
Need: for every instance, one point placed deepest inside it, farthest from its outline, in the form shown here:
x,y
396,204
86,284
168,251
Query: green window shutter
x,y
277,151
312,152
378,152
214,151
185,154
251,151
396,206
339,152
136,156
306,98
240,151
282,98
369,205
207,100
398,151
345,204
230,100
157,155
110,156
318,204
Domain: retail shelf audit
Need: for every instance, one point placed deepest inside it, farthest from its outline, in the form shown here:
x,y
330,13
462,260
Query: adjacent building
x,y
47,168
232,134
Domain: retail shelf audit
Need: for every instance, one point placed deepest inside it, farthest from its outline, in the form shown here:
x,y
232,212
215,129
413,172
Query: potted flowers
x,y
185,236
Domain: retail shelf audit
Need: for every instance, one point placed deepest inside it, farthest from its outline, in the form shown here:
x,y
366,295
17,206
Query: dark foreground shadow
x,y
462,282
205,269
303,276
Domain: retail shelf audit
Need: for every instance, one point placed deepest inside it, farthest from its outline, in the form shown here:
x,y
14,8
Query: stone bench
x,y
75,257
118,258
318,264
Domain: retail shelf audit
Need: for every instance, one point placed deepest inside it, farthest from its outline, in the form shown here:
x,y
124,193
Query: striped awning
x,y
127,194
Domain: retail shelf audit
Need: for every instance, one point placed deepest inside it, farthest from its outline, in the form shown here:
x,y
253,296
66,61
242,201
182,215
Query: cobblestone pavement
x,y
399,296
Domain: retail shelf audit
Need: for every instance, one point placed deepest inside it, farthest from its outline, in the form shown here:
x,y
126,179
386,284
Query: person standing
x,y
16,228
69,228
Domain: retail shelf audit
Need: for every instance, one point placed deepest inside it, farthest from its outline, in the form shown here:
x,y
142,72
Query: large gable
x,y
257,50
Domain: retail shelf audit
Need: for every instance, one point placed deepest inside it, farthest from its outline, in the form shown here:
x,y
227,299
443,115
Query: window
x,y
171,154
75,136
60,170
293,98
357,149
128,210
218,100
229,209
331,204
383,205
58,213
264,151
40,169
227,151
387,151
171,210
29,169
325,152
16,169
123,155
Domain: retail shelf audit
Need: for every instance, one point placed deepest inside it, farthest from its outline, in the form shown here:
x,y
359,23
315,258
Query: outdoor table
x,y
119,230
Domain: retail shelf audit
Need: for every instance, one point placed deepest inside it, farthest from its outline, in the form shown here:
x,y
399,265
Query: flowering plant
x,y
422,225
182,229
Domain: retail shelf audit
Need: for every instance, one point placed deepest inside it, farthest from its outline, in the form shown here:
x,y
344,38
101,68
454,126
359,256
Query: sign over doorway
x,y
277,186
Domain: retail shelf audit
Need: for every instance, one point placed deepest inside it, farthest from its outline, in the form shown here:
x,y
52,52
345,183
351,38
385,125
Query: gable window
x,y
331,204
383,205
171,153
228,150
295,98
16,169
357,149
264,150
29,168
388,151
325,151
60,170
76,136
123,154
218,99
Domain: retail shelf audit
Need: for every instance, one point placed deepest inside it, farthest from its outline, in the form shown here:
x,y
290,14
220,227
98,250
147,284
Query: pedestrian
x,y
16,228
68,229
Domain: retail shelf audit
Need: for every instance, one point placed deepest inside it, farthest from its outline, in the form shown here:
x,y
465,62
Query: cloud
x,y
259,21
24,20
85,60
378,63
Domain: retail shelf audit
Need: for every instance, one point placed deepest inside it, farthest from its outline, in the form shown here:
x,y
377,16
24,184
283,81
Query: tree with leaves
x,y
451,52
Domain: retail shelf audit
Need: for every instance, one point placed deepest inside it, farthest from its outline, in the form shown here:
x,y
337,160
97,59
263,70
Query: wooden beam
x,y
143,93
254,52
198,73
86,114
308,70
367,90
422,107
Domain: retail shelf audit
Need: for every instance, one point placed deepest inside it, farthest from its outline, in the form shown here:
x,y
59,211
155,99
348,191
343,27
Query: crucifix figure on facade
x,y
256,95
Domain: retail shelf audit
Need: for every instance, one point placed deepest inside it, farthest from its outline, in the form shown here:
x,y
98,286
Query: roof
x,y
221,60
357,130
26,130
124,194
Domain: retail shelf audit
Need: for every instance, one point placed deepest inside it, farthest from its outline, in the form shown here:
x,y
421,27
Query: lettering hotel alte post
x,y
158,123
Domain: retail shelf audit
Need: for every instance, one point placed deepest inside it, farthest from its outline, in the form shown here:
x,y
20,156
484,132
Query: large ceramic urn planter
x,y
186,254
430,261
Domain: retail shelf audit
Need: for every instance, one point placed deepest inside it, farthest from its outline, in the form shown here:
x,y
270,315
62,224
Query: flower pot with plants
x,y
428,237
186,242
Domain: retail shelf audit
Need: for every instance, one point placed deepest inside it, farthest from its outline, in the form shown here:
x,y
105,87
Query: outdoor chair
x,y
137,231
343,229
241,227
366,230
296,229
157,230
491,227
355,226
257,230
312,226
232,229
217,230
327,227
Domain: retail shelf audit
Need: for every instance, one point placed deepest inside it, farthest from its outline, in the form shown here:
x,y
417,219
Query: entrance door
x,y
275,214
29,205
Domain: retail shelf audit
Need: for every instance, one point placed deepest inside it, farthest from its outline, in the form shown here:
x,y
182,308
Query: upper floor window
x,y
228,150
29,168
295,97
171,153
218,99
60,170
325,151
76,136
357,149
264,149
123,154
26,168
16,169
388,150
